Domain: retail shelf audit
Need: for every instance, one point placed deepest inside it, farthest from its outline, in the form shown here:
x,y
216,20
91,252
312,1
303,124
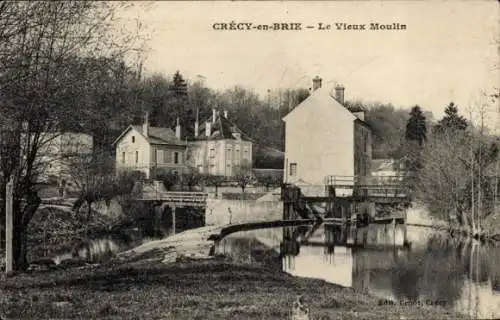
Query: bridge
x,y
342,197
156,192
386,188
177,199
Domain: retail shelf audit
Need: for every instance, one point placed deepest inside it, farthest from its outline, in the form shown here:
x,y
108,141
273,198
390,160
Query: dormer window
x,y
237,135
133,139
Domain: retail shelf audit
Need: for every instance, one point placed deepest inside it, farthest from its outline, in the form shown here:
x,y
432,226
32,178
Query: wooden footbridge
x,y
341,198
157,194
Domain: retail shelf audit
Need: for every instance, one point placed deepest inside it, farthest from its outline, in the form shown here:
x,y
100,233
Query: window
x,y
167,156
123,157
237,157
176,157
212,153
229,154
133,139
137,157
293,169
365,136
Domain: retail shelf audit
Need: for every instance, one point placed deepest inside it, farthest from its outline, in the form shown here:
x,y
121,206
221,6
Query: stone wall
x,y
221,212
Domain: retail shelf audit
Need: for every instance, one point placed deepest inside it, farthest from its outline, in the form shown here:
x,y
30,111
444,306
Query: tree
x,y
215,181
268,180
243,175
388,127
96,182
451,120
416,127
40,39
169,179
191,178
456,166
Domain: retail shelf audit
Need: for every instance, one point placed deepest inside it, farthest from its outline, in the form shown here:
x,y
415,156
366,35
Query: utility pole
x,y
9,193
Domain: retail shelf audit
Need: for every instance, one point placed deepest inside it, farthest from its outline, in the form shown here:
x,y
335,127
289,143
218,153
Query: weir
x,y
349,201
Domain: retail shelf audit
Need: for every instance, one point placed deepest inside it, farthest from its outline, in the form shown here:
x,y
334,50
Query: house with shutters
x,y
217,148
323,138
150,150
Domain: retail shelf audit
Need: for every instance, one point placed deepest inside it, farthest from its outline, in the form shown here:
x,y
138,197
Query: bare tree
x,y
243,175
38,93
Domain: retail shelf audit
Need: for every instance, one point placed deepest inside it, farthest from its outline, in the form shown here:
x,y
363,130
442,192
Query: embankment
x,y
222,212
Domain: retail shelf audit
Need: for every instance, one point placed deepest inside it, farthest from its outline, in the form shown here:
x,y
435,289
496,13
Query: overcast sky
x,y
447,53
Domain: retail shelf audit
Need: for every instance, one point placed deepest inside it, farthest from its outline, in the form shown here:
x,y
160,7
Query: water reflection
x,y
464,276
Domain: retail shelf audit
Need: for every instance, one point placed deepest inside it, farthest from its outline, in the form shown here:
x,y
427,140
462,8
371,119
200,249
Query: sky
x,y
448,52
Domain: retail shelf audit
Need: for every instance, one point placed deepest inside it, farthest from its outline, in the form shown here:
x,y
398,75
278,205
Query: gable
x,y
126,137
322,103
157,135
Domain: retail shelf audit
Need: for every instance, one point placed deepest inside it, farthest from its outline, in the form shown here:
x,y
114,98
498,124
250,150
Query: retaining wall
x,y
221,212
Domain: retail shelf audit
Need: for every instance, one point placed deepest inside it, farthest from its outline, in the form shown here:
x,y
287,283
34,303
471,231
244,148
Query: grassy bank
x,y
186,289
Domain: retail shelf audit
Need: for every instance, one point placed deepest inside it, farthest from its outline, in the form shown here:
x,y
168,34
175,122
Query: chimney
x,y
196,128
225,114
197,124
360,115
178,129
316,83
213,115
145,126
208,129
339,94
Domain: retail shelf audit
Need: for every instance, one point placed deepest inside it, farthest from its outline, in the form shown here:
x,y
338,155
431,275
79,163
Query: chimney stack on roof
x,y
197,124
178,129
339,93
317,83
213,115
145,125
208,128
225,114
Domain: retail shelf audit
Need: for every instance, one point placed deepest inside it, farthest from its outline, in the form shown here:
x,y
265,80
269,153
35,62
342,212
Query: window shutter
x,y
168,156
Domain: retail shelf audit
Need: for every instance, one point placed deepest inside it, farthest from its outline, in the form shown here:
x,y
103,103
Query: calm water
x,y
464,276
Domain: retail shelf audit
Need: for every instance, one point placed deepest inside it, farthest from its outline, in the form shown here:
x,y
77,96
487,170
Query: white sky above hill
x,y
449,51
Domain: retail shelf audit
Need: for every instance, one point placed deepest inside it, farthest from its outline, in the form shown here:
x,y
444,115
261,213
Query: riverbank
x,y
175,278
190,289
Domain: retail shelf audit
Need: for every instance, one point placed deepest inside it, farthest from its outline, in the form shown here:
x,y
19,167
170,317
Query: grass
x,y
186,289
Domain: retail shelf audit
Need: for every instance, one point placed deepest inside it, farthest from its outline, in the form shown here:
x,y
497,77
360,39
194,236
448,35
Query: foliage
x,y
191,177
455,176
214,181
451,120
416,127
169,179
95,185
243,175
268,180
388,127
267,158
40,45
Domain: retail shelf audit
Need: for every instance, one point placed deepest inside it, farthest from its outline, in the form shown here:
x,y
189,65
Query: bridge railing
x,y
187,198
372,185
334,180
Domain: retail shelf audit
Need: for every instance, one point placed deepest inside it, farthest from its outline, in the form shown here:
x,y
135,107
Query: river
x,y
434,269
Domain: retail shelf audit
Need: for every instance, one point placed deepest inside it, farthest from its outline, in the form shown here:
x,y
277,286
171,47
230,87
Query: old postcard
x,y
250,160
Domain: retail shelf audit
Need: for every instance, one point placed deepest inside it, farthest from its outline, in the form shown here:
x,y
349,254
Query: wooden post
x,y
405,229
173,220
394,231
9,192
